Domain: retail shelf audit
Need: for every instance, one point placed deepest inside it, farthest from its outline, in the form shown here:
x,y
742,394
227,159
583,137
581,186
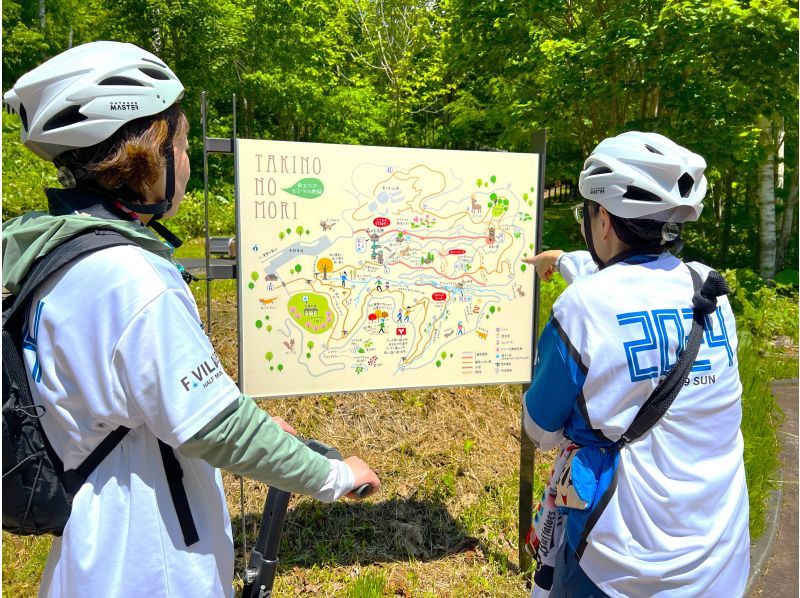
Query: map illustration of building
x,y
365,268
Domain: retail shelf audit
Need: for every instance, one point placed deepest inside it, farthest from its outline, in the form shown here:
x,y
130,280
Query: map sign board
x,y
367,268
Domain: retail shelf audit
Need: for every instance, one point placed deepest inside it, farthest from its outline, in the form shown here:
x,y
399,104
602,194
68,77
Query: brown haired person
x,y
115,339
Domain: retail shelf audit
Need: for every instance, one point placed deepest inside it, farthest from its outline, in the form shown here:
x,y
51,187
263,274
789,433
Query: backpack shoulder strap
x,y
704,303
65,253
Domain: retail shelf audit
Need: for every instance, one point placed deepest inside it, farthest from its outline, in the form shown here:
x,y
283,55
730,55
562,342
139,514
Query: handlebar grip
x,y
321,448
331,453
363,491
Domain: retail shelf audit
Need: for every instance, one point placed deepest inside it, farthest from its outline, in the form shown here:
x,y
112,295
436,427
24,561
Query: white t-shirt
x,y
669,515
115,339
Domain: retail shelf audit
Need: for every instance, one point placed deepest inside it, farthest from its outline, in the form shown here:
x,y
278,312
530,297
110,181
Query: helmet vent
x,y
23,116
600,170
161,64
685,184
155,74
120,81
68,116
640,194
653,150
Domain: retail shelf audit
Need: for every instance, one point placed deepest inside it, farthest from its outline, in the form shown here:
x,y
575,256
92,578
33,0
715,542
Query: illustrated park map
x,y
366,268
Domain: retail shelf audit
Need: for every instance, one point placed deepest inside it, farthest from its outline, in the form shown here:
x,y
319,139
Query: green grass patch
x,y
759,365
369,584
24,558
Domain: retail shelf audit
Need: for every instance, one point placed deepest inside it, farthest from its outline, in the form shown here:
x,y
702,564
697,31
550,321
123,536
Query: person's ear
x,y
605,223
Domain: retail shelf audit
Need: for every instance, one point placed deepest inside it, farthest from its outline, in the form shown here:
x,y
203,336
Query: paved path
x,y
774,571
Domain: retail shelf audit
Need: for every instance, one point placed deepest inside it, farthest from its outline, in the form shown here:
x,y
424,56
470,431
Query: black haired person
x,y
666,514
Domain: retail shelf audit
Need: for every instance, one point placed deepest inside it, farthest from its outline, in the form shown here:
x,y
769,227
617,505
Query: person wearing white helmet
x,y
114,340
665,514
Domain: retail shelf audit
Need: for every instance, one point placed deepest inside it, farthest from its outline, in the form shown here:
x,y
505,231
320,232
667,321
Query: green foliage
x,y
762,310
760,418
548,293
190,221
25,175
788,277
466,75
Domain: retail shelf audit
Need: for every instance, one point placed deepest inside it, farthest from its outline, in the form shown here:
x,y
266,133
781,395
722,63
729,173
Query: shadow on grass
x,y
348,533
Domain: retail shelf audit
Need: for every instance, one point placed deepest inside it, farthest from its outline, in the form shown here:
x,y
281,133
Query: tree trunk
x,y
788,224
41,14
766,203
727,211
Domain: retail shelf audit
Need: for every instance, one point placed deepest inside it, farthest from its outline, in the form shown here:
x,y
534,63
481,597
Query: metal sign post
x,y
527,451
215,145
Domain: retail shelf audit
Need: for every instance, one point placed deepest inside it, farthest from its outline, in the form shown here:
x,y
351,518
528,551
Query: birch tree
x,y
766,202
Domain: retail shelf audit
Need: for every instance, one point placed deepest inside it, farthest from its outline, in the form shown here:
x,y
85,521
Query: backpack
x,y
37,492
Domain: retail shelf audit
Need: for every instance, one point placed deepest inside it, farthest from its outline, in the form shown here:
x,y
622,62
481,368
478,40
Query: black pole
x,y
527,451
203,118
263,564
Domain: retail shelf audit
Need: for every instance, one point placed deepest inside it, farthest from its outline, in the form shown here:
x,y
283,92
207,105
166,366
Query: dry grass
x,y
443,525
445,521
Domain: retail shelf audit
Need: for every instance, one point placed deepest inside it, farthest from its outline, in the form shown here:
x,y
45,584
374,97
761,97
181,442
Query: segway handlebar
x,y
263,563
332,453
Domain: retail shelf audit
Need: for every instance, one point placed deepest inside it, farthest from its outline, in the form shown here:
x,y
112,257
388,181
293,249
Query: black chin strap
x,y
165,233
169,191
169,154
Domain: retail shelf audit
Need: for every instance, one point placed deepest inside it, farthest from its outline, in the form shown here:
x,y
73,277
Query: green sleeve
x,y
245,440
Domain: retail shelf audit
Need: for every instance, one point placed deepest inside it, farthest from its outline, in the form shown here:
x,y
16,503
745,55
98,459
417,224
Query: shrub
x,y
25,175
765,310
760,419
189,223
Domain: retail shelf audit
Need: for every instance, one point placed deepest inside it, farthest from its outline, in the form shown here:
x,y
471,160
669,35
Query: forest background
x,y
718,76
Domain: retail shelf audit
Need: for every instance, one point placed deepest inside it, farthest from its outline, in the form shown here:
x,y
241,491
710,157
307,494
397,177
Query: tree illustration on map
x,y
383,267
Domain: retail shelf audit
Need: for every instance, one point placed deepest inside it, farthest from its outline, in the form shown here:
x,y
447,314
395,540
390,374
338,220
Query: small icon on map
x,y
401,331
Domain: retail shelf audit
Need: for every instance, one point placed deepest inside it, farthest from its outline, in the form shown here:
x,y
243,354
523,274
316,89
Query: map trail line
x,y
366,268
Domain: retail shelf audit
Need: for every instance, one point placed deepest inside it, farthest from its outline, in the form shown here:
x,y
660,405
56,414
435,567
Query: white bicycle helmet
x,y
645,175
84,95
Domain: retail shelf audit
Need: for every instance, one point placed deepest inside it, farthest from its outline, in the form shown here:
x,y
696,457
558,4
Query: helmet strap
x,y
169,155
165,233
169,189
